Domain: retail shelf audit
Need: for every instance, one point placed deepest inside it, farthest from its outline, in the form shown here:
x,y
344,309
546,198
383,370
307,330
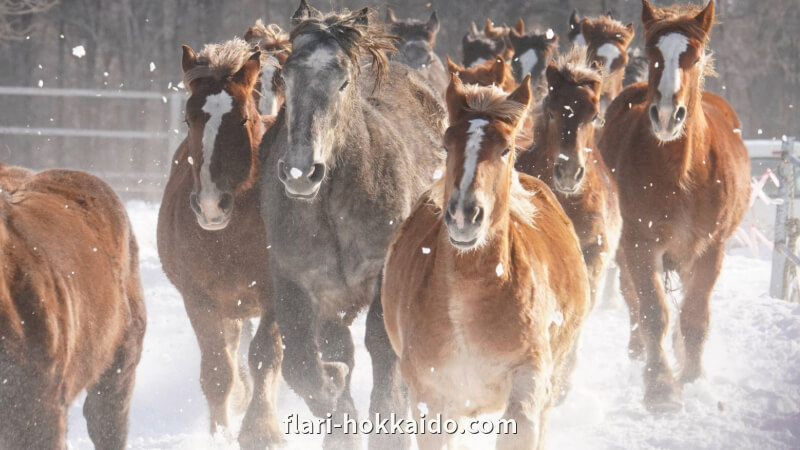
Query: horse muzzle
x,y
667,122
464,222
301,183
213,212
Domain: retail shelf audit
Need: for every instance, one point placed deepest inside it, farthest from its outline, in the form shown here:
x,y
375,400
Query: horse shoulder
x,y
621,113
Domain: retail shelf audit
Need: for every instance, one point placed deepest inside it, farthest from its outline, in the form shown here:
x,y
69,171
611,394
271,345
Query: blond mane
x,y
219,60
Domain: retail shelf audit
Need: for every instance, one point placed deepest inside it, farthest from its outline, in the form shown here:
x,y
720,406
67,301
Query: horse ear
x,y
648,12
499,71
363,16
451,66
248,74
248,34
488,28
467,38
474,29
609,14
519,27
574,20
553,76
706,17
303,12
522,94
390,15
514,37
433,23
456,98
189,59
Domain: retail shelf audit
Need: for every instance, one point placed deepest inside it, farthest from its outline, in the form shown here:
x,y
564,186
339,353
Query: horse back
x,y
70,284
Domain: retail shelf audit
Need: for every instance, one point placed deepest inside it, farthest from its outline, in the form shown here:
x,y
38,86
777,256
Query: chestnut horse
x,y
211,239
532,51
273,43
485,289
683,175
415,48
607,41
492,72
72,313
564,157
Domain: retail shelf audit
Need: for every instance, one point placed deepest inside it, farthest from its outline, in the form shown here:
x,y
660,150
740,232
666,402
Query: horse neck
x,y
354,141
612,86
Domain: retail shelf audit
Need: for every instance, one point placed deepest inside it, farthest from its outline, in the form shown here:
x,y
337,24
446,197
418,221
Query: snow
x,y
749,398
79,51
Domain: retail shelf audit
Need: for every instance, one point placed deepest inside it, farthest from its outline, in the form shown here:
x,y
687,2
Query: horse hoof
x,y
663,400
265,438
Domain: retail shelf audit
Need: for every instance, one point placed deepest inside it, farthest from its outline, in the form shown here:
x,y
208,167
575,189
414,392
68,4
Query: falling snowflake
x,y
426,250
499,269
152,66
78,51
549,34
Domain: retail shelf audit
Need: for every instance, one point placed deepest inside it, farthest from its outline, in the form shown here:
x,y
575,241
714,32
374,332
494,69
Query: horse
x,y
683,176
274,45
492,72
72,312
485,288
478,47
532,52
565,158
417,41
607,41
212,243
353,149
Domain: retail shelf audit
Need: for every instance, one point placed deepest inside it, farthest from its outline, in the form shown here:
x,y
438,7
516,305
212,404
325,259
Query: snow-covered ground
x,y
750,397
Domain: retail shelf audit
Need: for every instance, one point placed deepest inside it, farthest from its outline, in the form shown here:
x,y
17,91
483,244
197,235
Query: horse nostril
x,y
559,170
317,173
477,215
226,202
654,113
579,174
680,114
283,173
194,203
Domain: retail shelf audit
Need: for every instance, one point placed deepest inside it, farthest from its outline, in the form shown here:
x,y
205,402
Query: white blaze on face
x,y
216,106
610,52
319,58
472,149
671,47
579,40
528,61
477,62
268,104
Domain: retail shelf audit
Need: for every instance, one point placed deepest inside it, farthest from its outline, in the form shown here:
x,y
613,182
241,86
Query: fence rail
x,y
783,283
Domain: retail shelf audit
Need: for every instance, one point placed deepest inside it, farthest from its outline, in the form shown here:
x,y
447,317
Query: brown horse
x,y
683,176
564,157
274,45
492,72
607,41
212,242
532,51
485,289
72,314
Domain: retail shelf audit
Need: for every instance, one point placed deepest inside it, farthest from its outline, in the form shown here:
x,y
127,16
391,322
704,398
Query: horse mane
x,y
678,18
613,29
270,39
219,60
355,35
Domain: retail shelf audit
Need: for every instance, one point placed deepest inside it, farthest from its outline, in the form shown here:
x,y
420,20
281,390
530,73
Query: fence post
x,y
175,104
785,171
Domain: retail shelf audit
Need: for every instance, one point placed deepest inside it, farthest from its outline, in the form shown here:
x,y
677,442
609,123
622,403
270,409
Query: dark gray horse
x,y
416,47
354,147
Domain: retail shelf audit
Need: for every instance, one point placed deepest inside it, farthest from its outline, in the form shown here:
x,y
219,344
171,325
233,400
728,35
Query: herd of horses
x,y
478,211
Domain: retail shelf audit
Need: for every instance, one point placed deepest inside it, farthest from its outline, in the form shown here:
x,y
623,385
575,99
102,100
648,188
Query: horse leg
x,y
694,316
426,440
240,332
388,392
336,343
108,401
530,395
260,427
217,365
595,263
319,383
635,344
661,392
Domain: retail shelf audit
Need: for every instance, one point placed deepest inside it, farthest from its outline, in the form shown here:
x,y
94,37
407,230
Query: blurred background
x,y
130,50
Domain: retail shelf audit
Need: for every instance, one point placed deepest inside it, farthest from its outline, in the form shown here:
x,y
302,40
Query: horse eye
x,y
244,122
550,115
505,152
445,149
188,124
344,85
697,61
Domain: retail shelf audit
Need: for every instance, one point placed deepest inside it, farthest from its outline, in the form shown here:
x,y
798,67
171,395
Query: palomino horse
x,y
485,289
492,72
211,238
273,43
607,41
415,49
532,51
72,314
683,176
353,147
564,157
